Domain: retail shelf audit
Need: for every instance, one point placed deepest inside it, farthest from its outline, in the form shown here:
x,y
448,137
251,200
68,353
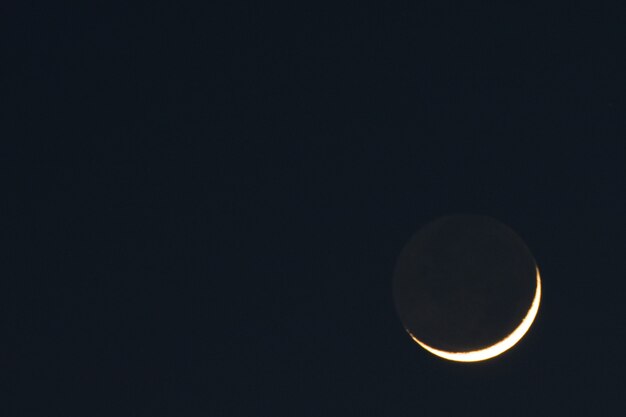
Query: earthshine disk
x,y
466,288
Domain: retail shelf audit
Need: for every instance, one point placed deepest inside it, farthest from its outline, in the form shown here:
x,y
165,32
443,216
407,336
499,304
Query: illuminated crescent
x,y
497,348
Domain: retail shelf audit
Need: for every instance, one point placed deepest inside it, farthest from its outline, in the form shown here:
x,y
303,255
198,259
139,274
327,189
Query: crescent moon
x,y
497,348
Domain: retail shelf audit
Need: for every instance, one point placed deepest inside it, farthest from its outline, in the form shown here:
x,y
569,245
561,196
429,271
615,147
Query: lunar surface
x,y
466,288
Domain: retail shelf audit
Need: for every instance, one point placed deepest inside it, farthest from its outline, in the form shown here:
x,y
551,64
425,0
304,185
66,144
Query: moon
x,y
466,288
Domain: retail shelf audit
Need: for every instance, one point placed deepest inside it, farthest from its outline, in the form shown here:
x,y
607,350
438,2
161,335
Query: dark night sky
x,y
203,204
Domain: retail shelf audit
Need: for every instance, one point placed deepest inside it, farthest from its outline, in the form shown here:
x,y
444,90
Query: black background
x,y
203,203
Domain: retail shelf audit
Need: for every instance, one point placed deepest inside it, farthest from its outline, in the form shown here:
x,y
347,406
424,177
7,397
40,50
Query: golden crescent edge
x,y
497,348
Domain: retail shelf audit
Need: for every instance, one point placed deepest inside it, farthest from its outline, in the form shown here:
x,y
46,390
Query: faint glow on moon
x,y
498,348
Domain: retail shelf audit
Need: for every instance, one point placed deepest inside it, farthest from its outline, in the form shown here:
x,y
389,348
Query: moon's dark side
x,y
463,283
